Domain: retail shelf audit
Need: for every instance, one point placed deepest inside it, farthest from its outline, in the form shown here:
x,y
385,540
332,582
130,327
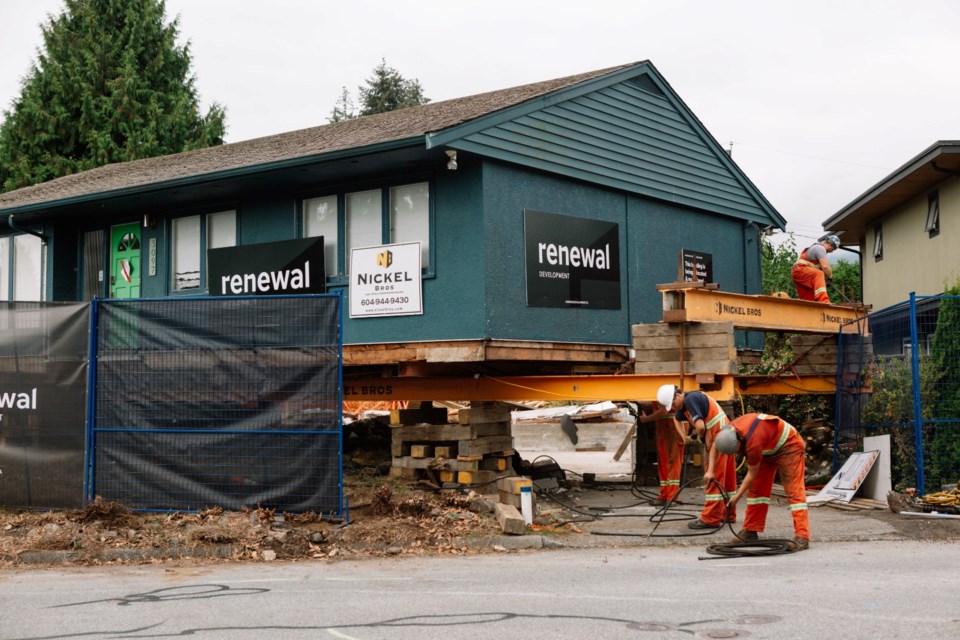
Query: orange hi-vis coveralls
x,y
809,280
776,446
669,457
714,506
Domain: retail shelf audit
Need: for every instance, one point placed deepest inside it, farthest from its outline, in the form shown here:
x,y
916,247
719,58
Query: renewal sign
x,y
571,262
270,268
385,281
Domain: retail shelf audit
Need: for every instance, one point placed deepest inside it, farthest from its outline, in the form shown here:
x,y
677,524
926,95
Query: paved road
x,y
834,590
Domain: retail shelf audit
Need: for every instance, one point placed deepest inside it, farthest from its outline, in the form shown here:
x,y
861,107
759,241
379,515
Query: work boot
x,y
798,544
659,502
700,524
745,535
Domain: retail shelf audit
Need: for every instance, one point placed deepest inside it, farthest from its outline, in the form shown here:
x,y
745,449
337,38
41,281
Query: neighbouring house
x,y
517,231
904,228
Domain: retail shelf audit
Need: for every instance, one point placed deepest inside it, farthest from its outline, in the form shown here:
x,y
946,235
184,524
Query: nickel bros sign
x,y
571,262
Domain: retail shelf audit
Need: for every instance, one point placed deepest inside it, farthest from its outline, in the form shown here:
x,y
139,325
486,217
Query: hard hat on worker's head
x,y
665,395
726,441
833,240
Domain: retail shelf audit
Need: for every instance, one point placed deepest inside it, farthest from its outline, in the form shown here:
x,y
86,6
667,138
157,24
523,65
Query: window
x,y
357,219
21,268
932,227
878,243
191,236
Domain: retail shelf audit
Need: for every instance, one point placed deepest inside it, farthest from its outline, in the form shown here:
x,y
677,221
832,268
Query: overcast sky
x,y
821,99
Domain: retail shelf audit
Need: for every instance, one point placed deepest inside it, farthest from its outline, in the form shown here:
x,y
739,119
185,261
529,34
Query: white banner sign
x,y
385,281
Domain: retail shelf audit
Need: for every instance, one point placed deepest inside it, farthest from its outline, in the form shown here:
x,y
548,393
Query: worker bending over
x,y
770,445
669,435
707,418
812,270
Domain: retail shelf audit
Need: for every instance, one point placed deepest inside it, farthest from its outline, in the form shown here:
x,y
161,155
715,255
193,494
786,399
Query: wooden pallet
x,y
857,504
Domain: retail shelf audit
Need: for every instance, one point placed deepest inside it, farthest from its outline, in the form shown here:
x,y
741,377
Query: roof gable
x,y
626,129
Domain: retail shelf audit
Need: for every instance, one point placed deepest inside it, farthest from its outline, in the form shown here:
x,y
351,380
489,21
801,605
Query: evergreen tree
x,y
110,85
387,90
343,109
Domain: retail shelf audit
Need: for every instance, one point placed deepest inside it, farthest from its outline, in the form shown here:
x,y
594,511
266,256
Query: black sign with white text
x,y
571,262
270,268
697,266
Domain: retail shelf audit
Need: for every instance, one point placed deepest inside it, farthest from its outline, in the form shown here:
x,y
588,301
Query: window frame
x,y
9,271
204,241
877,242
932,224
341,277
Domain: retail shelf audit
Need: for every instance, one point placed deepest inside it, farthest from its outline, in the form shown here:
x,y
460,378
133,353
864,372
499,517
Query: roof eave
x,y
237,172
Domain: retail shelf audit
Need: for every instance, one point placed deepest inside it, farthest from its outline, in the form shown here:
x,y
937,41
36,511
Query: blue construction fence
x,y
909,357
174,404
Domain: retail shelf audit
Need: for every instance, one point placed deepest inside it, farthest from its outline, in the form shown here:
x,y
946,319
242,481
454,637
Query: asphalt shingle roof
x,y
351,134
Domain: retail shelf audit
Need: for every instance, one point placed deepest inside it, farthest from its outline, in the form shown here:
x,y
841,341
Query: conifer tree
x,y
110,84
387,90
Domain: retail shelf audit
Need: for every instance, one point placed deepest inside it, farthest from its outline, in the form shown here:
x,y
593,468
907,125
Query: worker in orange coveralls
x,y
669,437
770,445
812,270
707,418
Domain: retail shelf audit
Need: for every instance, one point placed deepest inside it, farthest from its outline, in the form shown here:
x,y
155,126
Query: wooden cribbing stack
x,y
474,453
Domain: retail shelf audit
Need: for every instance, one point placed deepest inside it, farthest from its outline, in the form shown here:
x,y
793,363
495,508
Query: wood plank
x,y
483,413
689,354
448,432
409,462
661,329
480,446
423,415
689,368
626,442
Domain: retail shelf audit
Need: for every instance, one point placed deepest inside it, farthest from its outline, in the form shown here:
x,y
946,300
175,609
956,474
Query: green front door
x,y
125,261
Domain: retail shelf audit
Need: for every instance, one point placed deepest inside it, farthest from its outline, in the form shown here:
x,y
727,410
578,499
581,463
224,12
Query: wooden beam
x,y
761,313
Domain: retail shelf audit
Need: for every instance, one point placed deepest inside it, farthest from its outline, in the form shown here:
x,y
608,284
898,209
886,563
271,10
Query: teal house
x,y
517,231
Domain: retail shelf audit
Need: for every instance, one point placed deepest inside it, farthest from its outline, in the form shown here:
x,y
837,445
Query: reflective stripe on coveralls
x,y
725,474
786,456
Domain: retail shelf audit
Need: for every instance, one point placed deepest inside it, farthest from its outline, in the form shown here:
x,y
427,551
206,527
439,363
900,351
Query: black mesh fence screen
x,y
43,381
228,402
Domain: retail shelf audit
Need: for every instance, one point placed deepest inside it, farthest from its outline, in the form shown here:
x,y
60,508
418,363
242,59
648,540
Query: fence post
x,y
89,454
917,406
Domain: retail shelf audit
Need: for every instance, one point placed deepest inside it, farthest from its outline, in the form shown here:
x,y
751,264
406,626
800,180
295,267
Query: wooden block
x,y
447,476
480,446
421,450
409,462
513,499
444,452
689,368
423,415
509,519
512,484
448,432
484,413
490,463
406,474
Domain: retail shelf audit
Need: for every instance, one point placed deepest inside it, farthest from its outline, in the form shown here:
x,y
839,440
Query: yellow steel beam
x,y
784,385
762,313
574,388
517,388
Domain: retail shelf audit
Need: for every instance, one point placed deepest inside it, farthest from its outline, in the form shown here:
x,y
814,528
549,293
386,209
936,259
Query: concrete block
x,y
510,520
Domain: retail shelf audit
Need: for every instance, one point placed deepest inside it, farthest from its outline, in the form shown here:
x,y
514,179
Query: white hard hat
x,y
665,395
726,441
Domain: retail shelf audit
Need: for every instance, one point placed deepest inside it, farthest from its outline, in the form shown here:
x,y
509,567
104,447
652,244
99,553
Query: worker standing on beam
x,y
770,445
812,270
669,435
707,418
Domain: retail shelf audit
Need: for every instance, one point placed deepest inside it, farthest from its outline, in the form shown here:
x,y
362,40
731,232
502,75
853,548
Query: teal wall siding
x,y
628,136
266,218
453,299
507,192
